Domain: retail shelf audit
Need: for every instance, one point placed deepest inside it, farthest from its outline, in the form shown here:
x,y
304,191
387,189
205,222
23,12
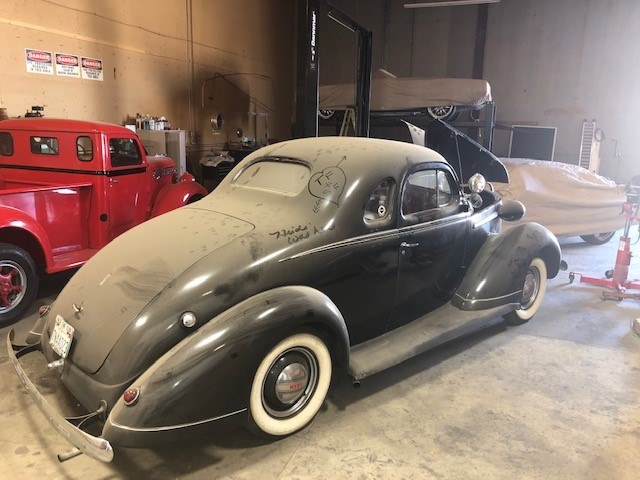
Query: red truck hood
x,y
114,286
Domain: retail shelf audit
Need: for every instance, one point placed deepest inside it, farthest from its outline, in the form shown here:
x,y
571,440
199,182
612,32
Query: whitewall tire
x,y
533,289
290,385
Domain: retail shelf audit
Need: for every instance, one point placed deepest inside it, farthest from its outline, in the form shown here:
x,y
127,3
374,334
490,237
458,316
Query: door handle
x,y
408,245
113,180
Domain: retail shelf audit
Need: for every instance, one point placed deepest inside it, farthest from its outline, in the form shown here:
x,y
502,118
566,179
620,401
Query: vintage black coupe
x,y
313,257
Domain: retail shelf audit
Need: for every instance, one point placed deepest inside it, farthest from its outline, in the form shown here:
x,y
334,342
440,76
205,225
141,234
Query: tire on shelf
x,y
18,282
533,289
290,385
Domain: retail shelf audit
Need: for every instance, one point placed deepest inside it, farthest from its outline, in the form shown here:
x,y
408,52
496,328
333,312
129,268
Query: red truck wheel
x,y
18,282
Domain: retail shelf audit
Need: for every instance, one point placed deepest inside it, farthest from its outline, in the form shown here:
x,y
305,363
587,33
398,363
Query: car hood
x,y
464,154
107,294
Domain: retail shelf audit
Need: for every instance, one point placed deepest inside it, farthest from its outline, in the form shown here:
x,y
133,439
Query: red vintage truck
x,y
67,188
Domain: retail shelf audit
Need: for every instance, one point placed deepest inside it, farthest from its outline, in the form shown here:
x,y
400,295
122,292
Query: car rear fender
x,y
174,195
496,275
208,375
20,229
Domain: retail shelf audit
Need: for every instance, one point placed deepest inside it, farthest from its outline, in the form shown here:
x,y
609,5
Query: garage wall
x,y
549,62
144,48
557,62
427,42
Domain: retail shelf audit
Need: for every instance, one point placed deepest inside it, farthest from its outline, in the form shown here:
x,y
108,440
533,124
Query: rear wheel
x,y
598,238
18,282
533,289
290,385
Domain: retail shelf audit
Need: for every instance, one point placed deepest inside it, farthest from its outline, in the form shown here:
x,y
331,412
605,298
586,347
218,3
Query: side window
x,y
84,149
420,192
6,144
445,194
378,208
44,145
124,152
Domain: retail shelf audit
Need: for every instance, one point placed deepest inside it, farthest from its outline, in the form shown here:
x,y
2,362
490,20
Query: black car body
x,y
312,257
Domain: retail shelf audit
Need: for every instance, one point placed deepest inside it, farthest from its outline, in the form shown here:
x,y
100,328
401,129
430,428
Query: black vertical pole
x,y
307,70
363,82
481,40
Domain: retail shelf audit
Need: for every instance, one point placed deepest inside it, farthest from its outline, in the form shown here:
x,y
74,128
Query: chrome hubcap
x,y
13,285
441,111
290,383
603,236
530,287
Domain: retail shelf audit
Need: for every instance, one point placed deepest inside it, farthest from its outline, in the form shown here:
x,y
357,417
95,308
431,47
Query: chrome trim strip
x,y
487,219
488,299
381,235
347,242
420,227
172,427
94,447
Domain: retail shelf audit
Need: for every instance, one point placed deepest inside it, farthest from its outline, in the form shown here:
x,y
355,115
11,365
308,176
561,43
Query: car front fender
x,y
174,195
208,375
496,275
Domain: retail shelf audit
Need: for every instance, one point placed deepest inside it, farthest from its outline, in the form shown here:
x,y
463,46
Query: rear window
x,y
84,149
124,152
44,145
277,176
6,144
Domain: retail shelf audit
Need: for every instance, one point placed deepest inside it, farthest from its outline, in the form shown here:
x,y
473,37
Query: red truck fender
x,y
12,219
175,195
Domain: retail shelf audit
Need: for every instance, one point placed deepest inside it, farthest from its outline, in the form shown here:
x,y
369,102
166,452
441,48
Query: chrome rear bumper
x,y
95,447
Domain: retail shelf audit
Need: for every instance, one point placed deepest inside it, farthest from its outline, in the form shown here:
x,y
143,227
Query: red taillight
x,y
131,396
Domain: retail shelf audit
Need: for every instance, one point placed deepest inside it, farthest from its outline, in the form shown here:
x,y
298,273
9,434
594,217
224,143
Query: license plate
x,y
61,338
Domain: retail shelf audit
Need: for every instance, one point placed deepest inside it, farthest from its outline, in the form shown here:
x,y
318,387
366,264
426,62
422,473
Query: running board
x,y
403,343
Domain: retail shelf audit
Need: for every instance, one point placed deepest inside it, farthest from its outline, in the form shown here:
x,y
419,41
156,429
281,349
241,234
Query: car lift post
x,y
617,279
308,68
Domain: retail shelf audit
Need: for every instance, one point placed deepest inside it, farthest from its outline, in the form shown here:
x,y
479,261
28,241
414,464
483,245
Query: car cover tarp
x,y
567,199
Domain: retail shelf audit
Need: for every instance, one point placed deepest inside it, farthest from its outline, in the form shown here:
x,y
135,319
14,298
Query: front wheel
x,y
533,288
290,385
598,238
18,282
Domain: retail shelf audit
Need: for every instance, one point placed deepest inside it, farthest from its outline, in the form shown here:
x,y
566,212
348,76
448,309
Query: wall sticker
x,y
67,65
92,69
39,61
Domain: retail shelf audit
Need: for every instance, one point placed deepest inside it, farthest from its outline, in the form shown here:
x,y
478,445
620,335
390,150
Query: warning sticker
x,y
39,61
67,65
92,69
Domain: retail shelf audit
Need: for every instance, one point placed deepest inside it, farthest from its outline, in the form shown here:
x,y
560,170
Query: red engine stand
x,y
616,279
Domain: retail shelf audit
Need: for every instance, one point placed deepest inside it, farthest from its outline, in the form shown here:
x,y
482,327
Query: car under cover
x,y
567,199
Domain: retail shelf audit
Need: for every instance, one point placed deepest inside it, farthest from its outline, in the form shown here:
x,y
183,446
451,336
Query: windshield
x,y
278,176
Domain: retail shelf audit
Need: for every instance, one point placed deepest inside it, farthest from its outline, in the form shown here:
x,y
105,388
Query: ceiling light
x,y
448,3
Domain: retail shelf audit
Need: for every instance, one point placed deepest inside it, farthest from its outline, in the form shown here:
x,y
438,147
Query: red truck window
x,y
6,144
124,152
44,145
84,149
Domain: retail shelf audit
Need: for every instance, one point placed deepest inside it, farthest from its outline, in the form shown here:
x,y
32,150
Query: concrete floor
x,y
555,398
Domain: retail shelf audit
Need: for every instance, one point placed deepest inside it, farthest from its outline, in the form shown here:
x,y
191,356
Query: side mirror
x,y
512,211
